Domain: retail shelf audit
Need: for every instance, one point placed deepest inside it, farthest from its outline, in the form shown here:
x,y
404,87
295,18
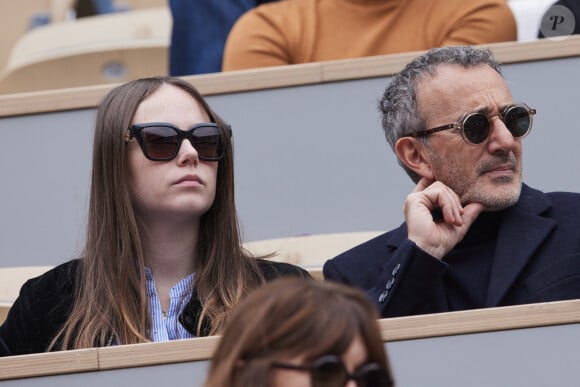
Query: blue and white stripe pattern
x,y
165,328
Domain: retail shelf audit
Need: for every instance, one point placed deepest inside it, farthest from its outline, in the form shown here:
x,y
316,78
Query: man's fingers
x,y
443,197
450,206
431,195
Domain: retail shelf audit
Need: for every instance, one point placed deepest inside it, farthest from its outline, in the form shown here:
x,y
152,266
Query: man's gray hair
x,y
398,106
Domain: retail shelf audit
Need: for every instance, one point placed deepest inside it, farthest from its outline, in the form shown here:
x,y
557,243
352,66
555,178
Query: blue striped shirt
x,y
167,327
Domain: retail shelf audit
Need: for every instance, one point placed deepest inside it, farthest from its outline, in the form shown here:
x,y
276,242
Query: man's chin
x,y
496,198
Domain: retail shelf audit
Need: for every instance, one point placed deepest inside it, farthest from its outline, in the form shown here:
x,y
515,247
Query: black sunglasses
x,y
476,126
329,371
161,141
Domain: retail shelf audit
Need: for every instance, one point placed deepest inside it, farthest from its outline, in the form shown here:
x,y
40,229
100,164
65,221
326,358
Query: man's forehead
x,y
453,87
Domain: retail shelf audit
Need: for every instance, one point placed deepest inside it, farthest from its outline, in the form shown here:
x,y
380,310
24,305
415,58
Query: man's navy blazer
x,y
537,259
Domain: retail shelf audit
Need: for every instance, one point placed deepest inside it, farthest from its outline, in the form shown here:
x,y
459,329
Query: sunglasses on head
x,y
329,371
161,141
475,127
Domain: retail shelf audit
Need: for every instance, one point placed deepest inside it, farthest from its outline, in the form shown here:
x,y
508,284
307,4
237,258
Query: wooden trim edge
x,y
392,329
480,320
282,76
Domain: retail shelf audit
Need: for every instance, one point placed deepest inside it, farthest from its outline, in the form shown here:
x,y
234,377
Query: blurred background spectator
x,y
199,33
182,37
302,31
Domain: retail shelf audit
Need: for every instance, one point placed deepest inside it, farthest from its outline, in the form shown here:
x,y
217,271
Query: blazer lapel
x,y
523,230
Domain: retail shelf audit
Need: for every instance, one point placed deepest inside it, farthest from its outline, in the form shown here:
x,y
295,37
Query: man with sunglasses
x,y
474,235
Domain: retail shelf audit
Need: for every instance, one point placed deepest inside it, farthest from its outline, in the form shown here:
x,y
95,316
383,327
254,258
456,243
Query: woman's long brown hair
x,y
110,299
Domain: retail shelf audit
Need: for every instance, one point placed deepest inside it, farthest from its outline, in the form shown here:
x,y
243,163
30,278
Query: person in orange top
x,y
302,31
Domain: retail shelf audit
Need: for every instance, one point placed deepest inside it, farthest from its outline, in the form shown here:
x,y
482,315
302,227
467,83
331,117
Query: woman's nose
x,y
187,153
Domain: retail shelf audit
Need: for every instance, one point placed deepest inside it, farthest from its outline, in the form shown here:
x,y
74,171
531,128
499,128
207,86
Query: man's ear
x,y
413,154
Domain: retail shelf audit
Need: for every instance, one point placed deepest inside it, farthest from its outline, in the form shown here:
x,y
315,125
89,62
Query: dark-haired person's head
x,y
449,117
302,332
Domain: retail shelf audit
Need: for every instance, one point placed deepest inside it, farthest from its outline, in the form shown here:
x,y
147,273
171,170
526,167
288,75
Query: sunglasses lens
x,y
328,372
161,142
372,375
476,128
518,121
207,141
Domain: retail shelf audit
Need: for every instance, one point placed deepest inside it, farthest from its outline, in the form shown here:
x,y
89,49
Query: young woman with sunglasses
x,y
163,258
301,333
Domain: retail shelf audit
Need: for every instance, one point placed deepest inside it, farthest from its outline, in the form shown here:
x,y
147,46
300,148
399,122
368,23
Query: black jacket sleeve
x,y
40,310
